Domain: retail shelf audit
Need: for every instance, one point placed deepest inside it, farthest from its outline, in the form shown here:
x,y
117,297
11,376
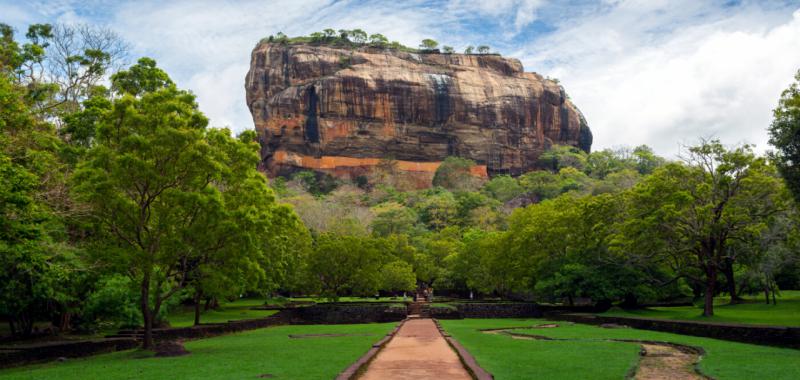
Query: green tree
x,y
239,237
80,127
165,189
358,36
317,37
468,49
562,156
428,44
329,33
483,49
32,273
434,251
785,136
141,78
448,49
33,240
341,264
454,173
503,188
546,185
438,210
486,266
146,180
378,40
691,212
646,159
393,218
398,276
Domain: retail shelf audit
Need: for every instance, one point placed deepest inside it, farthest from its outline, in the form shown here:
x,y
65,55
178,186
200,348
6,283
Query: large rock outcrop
x,y
343,111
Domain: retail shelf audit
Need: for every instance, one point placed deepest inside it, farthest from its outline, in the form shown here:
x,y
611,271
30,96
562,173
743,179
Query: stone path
x,y
418,351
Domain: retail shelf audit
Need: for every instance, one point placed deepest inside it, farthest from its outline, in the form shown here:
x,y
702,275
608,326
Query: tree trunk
x,y
766,294
197,297
727,270
711,282
146,314
66,322
25,324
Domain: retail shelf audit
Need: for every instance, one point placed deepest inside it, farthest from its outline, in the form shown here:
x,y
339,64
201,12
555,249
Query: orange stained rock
x,y
338,162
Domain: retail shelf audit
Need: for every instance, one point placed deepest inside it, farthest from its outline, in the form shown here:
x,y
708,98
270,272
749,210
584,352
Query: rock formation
x,y
344,111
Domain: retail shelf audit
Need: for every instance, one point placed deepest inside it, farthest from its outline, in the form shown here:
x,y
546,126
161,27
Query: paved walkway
x,y
418,351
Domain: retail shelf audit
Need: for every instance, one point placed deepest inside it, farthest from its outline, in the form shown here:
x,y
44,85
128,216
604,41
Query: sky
x,y
655,72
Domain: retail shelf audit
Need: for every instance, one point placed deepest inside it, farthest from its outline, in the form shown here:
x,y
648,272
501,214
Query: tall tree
x,y
785,136
692,211
341,264
164,187
33,261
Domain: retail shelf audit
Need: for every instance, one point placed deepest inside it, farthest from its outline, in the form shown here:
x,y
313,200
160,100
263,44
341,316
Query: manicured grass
x,y
592,356
754,311
239,356
231,311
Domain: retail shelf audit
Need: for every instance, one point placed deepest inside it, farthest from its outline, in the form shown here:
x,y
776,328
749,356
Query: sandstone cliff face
x,y
342,111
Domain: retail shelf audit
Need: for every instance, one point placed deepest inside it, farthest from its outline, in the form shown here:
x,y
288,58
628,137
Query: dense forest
x,y
118,201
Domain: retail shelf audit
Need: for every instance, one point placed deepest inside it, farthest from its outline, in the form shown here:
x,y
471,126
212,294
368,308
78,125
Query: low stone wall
x,y
445,313
30,353
11,356
487,310
765,335
342,313
214,329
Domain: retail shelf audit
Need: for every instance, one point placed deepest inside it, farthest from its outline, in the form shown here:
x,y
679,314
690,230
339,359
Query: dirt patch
x,y
613,326
666,362
301,336
659,360
170,348
506,329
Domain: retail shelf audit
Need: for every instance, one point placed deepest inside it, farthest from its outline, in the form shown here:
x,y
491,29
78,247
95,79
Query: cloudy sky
x,y
662,73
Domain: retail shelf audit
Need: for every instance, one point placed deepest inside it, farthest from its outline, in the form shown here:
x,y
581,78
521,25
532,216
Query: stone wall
x,y
487,310
32,353
332,313
214,329
767,335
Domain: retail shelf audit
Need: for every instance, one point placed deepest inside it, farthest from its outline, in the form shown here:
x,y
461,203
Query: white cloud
x,y
643,73
206,46
653,72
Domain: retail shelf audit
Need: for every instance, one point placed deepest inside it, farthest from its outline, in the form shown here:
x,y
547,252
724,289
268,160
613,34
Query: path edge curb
x,y
476,371
352,372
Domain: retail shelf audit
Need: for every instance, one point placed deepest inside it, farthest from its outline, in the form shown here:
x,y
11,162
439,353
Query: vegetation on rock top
x,y
356,38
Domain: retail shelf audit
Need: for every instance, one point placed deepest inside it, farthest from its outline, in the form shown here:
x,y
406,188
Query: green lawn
x,y
240,309
754,311
238,356
594,357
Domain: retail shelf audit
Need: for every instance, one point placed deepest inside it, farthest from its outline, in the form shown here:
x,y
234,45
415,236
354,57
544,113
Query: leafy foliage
x,y
785,136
